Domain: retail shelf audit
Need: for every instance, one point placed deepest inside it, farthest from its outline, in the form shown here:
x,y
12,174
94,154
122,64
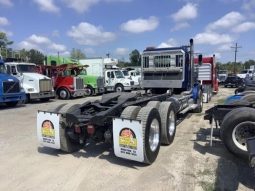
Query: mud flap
x,y
48,129
128,139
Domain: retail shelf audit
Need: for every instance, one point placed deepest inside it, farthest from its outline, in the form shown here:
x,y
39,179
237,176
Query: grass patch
x,y
207,186
221,101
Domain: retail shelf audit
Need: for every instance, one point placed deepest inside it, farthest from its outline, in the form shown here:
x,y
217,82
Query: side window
x,y
112,75
13,70
8,69
108,74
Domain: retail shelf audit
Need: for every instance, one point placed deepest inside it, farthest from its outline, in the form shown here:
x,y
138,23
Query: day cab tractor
x,y
66,81
136,124
207,75
11,92
235,120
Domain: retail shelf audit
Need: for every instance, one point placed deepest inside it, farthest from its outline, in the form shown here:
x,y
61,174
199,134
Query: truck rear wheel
x,y
168,122
63,93
130,112
66,143
154,104
151,126
236,127
249,97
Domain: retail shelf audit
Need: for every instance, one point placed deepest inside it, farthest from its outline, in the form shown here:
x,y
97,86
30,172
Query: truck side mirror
x,y
200,59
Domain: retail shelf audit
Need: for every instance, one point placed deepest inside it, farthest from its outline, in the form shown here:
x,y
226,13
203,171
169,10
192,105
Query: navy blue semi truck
x,y
10,90
136,124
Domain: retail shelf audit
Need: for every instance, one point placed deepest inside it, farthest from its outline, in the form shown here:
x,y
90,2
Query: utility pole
x,y
236,50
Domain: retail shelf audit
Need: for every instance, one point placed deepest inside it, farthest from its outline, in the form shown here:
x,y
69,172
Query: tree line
x,y
231,67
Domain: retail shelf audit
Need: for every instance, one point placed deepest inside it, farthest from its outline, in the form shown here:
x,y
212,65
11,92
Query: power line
x,y
236,50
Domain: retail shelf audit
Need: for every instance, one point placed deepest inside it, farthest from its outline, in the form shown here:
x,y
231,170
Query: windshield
x,y
125,72
83,72
26,68
119,74
2,69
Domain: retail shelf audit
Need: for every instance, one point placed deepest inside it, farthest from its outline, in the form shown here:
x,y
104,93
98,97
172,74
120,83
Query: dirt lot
x,y
188,164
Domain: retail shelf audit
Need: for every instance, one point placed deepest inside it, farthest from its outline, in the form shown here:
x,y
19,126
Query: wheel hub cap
x,y
154,135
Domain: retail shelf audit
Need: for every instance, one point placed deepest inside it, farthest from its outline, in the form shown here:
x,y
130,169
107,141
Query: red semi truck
x,y
207,75
66,82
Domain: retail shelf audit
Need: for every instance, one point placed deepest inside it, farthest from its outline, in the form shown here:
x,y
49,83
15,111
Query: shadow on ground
x,y
230,170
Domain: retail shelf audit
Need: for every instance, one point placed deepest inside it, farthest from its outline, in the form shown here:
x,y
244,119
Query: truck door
x,y
109,78
13,71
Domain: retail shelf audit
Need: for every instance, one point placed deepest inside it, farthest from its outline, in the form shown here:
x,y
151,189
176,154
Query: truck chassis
x,y
135,123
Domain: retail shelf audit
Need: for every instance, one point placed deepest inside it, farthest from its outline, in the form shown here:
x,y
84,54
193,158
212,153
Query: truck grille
x,y
11,87
45,85
79,84
100,82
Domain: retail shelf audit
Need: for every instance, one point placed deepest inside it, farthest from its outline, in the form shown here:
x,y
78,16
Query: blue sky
x,y
120,26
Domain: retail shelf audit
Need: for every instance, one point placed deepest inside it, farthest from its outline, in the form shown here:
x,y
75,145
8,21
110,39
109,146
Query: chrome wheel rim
x,y
63,94
154,135
118,89
171,126
241,132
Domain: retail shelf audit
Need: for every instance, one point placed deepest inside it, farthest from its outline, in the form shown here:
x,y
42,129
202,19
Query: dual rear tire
x,y
158,126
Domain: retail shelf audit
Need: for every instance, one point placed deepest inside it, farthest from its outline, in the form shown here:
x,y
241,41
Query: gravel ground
x,y
187,164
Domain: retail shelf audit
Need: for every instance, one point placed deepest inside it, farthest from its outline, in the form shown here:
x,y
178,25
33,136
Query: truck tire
x,y
168,122
63,93
249,97
151,128
12,103
119,88
130,112
89,91
239,102
154,104
236,127
66,143
199,101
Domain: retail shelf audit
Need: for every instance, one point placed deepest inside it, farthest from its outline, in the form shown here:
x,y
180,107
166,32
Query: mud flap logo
x,y
127,138
48,129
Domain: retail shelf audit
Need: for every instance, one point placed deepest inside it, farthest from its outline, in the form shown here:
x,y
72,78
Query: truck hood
x,y
35,76
7,77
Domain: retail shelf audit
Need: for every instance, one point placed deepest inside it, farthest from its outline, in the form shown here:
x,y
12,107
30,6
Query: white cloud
x,y
122,51
244,27
212,38
41,43
6,2
57,47
88,34
180,26
80,6
4,21
169,43
187,12
229,20
8,33
47,6
140,25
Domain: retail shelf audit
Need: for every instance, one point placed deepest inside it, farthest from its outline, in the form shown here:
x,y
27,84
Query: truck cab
x,y
36,86
134,75
11,92
246,73
116,81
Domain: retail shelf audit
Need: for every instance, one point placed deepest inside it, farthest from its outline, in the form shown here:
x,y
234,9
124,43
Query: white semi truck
x,y
36,86
114,79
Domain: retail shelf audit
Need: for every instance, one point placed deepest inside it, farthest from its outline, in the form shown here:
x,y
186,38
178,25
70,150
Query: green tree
x,y
4,41
135,58
36,57
77,54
